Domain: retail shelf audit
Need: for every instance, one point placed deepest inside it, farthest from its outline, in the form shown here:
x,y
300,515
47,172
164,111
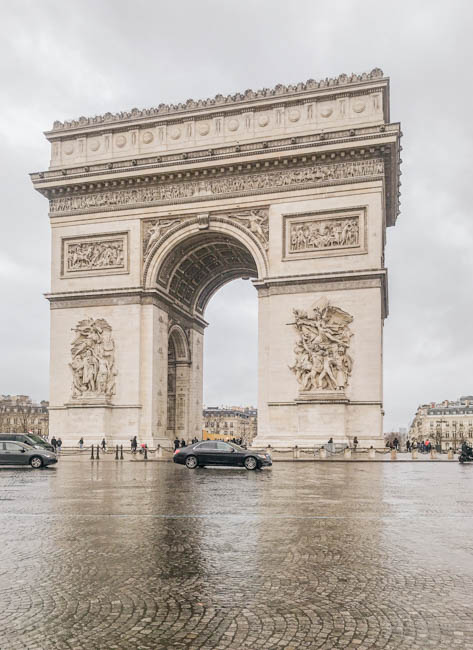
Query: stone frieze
x,y
280,180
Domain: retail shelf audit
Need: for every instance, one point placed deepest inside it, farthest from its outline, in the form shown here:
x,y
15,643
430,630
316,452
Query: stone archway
x,y
153,211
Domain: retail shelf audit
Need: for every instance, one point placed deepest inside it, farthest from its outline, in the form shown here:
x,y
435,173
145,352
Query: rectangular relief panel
x,y
324,234
100,254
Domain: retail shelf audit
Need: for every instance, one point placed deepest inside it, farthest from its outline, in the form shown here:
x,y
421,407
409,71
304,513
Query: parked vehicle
x,y
215,452
17,453
30,439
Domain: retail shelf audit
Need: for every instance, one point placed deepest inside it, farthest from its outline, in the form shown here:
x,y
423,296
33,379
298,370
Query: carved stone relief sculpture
x,y
257,222
324,234
90,255
322,361
270,181
93,360
154,229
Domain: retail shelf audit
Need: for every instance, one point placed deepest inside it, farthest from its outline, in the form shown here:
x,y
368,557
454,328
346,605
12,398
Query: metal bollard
x,y
98,455
414,454
116,452
347,452
121,452
159,452
295,452
92,457
371,453
146,452
323,453
393,454
433,454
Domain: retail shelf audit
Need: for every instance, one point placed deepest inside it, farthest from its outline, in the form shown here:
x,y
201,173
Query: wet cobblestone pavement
x,y
132,555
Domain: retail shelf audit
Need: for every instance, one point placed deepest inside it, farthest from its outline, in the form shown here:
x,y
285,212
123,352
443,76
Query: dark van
x,y
30,439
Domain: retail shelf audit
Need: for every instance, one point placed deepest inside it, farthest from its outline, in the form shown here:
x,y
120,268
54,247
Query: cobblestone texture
x,y
112,554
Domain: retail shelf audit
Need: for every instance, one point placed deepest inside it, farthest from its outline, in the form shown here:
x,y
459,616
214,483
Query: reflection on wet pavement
x,y
150,555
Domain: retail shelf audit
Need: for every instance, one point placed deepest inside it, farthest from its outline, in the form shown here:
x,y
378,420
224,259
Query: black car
x,y
30,439
215,452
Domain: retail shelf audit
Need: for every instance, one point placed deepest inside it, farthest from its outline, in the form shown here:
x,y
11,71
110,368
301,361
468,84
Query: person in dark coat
x,y
104,444
81,443
176,443
355,443
54,443
59,445
408,445
183,443
134,445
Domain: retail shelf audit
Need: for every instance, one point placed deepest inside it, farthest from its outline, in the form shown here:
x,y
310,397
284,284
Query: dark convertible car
x,y
215,452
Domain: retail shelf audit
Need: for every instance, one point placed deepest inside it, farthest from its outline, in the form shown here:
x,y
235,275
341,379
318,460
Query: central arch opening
x,y
191,273
201,264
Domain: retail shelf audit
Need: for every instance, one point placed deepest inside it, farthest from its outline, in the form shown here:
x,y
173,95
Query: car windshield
x,y
36,438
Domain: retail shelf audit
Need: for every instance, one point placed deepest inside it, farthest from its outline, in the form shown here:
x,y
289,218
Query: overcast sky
x,y
62,59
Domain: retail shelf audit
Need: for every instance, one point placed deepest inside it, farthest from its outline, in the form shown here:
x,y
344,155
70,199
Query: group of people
x,y
56,444
425,446
182,443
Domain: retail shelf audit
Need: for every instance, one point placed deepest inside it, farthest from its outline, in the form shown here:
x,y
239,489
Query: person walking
x,y
59,445
176,443
355,443
183,443
134,445
408,445
103,444
81,444
396,444
54,443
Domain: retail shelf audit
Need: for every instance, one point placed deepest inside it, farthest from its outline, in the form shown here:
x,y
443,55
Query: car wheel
x,y
251,462
36,462
191,462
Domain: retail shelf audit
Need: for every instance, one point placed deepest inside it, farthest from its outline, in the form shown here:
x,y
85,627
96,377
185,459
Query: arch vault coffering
x,y
198,266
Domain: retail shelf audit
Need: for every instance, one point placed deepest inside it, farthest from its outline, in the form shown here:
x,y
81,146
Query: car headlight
x,y
261,456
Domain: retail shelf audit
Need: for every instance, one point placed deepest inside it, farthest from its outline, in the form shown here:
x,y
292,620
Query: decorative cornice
x,y
218,153
220,100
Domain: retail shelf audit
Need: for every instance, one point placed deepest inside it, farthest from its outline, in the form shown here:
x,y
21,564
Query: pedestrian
x,y
104,444
414,445
355,443
81,443
183,443
408,445
59,445
396,444
176,443
54,443
134,445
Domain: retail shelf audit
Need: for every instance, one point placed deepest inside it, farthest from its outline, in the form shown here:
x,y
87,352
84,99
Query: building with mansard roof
x,y
445,423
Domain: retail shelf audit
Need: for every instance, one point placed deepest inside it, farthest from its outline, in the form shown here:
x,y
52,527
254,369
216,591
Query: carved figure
x,y
156,231
91,255
257,223
93,359
321,351
322,234
271,180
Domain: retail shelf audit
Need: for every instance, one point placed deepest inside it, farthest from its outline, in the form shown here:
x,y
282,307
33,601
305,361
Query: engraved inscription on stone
x,y
95,254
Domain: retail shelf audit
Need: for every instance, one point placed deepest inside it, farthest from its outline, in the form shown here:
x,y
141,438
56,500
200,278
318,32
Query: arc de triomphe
x,y
152,211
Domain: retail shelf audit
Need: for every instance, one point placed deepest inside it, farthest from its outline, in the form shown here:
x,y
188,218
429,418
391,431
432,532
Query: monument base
x,y
311,421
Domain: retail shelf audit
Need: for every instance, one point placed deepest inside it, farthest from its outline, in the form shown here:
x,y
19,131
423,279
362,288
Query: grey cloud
x,y
63,59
